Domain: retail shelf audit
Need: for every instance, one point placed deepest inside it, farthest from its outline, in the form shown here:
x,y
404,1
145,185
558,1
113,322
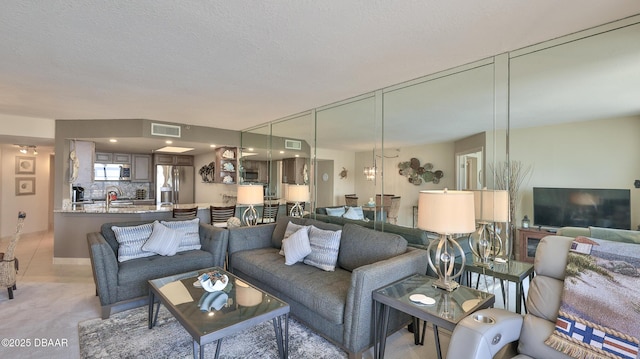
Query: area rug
x,y
126,335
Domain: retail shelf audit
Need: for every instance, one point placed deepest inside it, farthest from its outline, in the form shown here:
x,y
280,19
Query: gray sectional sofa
x,y
336,304
124,284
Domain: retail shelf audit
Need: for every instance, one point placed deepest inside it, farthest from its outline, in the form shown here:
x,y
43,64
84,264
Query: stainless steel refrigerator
x,y
175,184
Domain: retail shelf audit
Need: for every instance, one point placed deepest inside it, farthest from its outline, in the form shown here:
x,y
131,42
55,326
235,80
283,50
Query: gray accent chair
x,y
123,285
525,334
338,304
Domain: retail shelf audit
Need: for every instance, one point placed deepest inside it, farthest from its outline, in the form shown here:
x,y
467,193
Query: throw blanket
x,y
599,315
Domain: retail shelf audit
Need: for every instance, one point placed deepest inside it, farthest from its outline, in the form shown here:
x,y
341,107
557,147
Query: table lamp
x,y
298,194
491,207
250,195
446,212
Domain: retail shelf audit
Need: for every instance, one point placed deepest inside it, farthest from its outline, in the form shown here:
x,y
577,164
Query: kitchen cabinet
x,y
178,160
226,165
122,158
108,158
104,157
294,170
141,170
259,167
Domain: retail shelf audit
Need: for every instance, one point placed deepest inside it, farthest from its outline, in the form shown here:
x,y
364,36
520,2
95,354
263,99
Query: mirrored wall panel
x,y
575,121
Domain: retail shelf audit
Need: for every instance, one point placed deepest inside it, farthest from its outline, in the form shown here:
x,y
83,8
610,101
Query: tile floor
x,y
52,298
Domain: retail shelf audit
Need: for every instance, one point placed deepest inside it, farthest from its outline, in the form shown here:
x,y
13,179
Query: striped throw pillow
x,y
163,241
325,246
130,241
188,231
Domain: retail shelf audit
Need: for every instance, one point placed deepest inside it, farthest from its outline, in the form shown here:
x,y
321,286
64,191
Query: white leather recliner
x,y
473,339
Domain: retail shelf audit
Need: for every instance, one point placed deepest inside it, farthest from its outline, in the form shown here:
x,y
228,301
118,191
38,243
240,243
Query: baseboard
x,y
75,261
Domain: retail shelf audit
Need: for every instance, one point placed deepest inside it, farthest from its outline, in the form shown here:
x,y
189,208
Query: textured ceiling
x,y
236,64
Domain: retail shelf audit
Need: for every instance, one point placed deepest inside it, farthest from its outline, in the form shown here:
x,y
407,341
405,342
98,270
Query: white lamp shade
x,y
298,193
250,194
492,205
446,212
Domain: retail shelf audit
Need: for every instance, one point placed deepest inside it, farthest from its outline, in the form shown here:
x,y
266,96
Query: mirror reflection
x,y
567,109
575,119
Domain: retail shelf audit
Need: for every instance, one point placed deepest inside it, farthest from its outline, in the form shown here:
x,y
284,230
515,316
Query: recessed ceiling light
x,y
212,146
172,149
113,140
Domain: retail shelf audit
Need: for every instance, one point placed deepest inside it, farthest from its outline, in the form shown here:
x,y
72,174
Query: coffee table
x,y
245,307
449,307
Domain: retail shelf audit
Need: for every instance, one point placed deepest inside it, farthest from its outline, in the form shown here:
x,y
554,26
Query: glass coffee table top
x,y
449,307
243,302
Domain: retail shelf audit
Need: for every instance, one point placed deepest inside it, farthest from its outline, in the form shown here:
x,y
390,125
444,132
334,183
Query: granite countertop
x,y
129,208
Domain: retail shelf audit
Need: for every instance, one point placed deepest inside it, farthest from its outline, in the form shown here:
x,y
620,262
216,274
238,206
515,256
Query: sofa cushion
x,y
323,225
325,245
130,241
163,241
361,246
133,275
296,246
188,232
617,235
281,227
324,293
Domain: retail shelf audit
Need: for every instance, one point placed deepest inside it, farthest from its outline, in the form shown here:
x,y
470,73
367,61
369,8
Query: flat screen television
x,y
582,207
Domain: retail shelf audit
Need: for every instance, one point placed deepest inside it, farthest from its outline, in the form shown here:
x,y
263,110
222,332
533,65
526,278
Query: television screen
x,y
582,207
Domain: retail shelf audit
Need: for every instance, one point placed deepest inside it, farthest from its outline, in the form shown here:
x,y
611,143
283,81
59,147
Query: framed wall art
x,y
25,186
25,165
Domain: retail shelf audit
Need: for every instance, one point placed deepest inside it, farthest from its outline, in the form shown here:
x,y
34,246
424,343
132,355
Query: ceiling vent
x,y
293,145
159,129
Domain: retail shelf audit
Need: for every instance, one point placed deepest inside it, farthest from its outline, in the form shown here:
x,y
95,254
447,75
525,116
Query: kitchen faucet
x,y
108,199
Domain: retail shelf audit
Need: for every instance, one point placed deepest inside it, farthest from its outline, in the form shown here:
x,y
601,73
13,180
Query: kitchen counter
x,y
72,225
99,207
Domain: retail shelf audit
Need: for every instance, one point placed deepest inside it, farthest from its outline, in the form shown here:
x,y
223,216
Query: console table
x,y
529,239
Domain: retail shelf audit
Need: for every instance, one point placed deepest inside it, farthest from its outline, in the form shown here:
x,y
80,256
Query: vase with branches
x,y
509,176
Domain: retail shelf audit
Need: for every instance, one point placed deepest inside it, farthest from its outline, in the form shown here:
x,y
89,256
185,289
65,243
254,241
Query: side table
x,y
511,271
449,307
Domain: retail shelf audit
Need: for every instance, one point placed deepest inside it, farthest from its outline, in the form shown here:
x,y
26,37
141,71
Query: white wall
x,y
36,206
592,154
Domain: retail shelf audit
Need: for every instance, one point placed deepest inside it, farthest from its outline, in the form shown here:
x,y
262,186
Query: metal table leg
x,y
282,339
436,337
384,328
151,300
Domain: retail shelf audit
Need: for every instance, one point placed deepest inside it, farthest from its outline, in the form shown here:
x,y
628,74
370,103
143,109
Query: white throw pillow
x,y
296,247
354,213
163,241
325,246
188,231
335,212
291,229
130,241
